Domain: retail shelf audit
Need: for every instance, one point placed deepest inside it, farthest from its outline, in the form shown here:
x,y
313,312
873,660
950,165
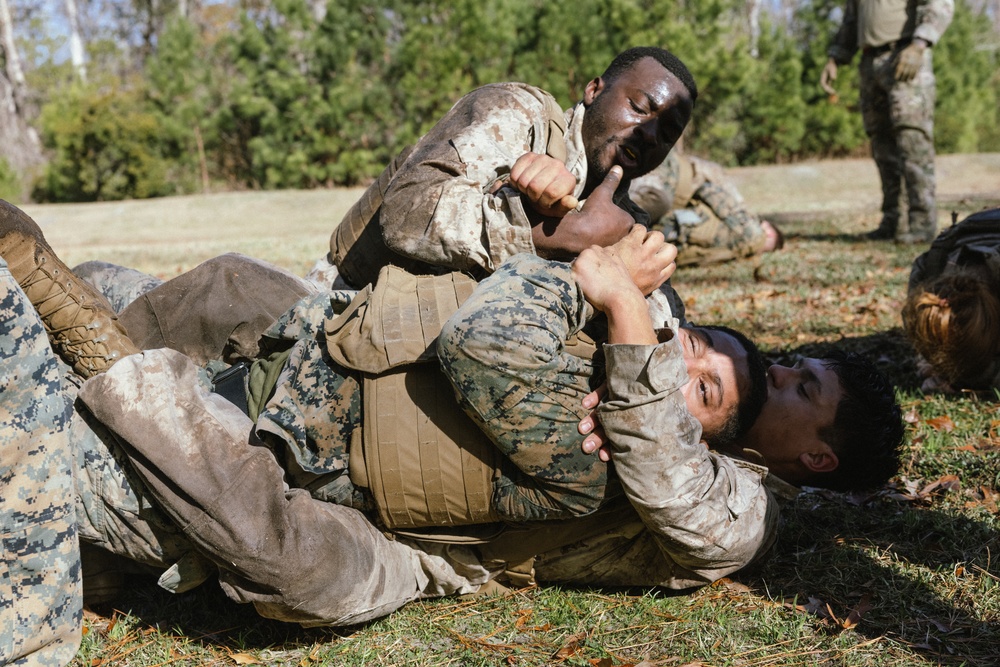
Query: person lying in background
x,y
952,309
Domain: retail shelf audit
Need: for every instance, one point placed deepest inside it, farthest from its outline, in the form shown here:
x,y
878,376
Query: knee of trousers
x,y
334,568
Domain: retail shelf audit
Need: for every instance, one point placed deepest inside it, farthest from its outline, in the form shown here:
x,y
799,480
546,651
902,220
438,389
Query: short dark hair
x,y
626,59
752,398
867,430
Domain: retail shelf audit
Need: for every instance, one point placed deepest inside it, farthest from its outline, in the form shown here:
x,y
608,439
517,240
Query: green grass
x,y
907,576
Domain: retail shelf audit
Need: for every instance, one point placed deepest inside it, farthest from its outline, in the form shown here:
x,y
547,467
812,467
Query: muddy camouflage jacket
x,y
449,205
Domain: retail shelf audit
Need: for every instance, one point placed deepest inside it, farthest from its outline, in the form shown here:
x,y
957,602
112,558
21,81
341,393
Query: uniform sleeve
x,y
706,513
448,205
504,353
742,232
933,17
845,42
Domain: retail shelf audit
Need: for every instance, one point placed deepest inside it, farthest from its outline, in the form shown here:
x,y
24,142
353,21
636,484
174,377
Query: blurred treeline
x,y
302,94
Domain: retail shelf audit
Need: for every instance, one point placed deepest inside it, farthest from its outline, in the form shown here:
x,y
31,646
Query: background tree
x,y
306,93
20,148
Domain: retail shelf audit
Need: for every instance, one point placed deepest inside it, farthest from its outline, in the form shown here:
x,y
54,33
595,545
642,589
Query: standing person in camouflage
x,y
505,172
40,605
699,210
897,101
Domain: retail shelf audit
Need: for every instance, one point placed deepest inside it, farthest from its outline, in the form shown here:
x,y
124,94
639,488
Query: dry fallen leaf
x,y
603,662
942,423
854,617
244,659
945,483
570,646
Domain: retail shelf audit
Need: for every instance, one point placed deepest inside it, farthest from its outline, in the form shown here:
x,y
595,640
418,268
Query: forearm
x,y
629,321
845,43
706,512
933,18
448,204
504,353
445,219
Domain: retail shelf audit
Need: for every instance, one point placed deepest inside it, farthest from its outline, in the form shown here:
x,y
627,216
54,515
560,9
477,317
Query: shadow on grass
x,y
889,350
207,617
886,554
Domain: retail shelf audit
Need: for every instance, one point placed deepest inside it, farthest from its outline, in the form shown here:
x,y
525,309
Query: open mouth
x,y
628,157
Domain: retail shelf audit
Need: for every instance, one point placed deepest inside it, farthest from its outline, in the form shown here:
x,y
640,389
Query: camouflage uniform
x,y
41,602
120,285
232,497
257,522
449,205
699,211
898,116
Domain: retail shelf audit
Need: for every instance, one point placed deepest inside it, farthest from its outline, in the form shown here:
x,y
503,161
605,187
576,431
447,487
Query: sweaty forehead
x,y
650,77
722,344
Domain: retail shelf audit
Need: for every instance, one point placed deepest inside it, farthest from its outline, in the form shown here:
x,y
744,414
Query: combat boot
x,y
81,324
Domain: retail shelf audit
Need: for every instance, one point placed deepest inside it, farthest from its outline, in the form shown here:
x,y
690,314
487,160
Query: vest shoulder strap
x,y
396,321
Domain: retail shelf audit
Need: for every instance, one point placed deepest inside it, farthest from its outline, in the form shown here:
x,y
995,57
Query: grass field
x,y
906,576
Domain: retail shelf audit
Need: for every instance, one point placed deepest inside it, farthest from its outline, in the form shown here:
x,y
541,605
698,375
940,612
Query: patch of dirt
x,y
819,190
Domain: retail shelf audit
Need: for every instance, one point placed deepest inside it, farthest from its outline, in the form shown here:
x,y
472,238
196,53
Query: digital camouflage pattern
x,y
709,222
704,515
316,410
40,600
898,116
504,353
449,206
119,285
311,418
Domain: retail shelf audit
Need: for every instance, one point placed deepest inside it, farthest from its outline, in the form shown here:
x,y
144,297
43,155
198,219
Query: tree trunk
x,y
19,144
753,18
75,41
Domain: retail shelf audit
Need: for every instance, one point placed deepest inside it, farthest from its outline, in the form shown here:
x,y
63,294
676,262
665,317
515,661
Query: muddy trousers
x,y
217,310
295,558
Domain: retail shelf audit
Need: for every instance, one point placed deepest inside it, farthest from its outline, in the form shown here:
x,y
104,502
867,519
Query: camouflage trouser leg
x,y
899,119
120,285
296,558
114,510
218,310
727,230
40,597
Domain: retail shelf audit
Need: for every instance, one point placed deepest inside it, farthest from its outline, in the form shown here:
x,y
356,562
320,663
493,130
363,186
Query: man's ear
x,y
593,89
821,459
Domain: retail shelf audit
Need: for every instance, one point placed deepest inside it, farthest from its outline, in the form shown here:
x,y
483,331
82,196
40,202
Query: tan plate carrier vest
x,y
424,461
357,247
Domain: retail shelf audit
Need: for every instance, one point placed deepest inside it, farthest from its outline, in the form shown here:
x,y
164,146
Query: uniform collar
x,y
576,155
